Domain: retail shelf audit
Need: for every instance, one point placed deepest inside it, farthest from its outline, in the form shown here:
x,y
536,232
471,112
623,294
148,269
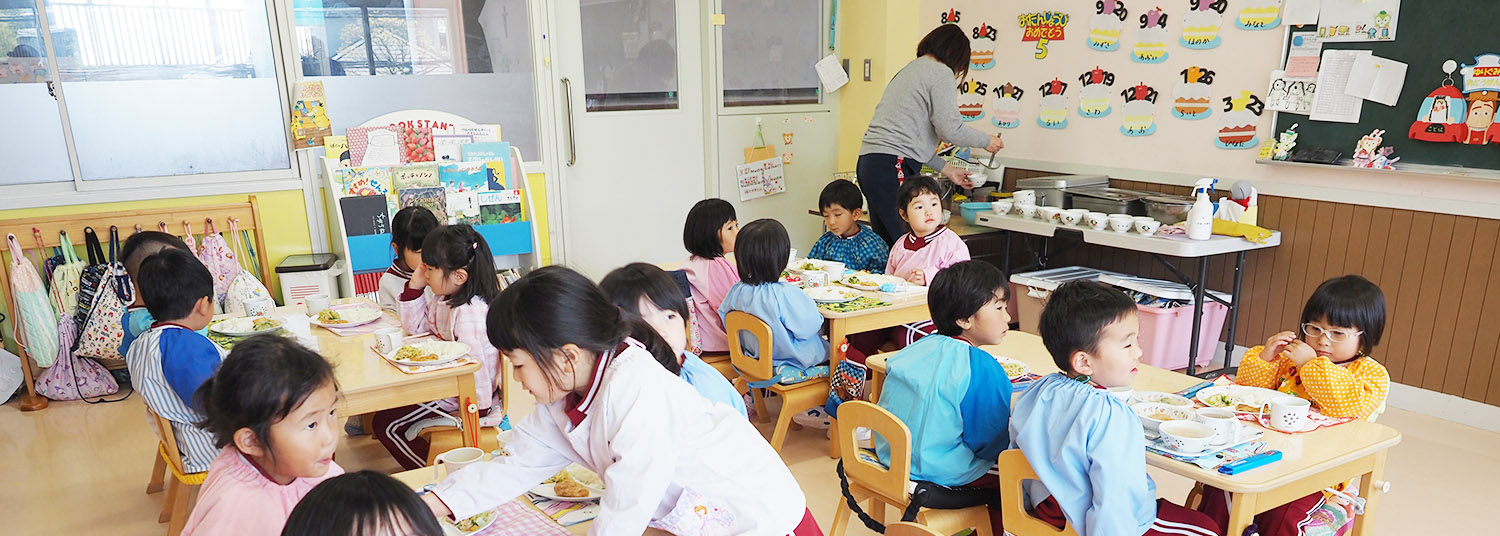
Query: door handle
x,y
567,88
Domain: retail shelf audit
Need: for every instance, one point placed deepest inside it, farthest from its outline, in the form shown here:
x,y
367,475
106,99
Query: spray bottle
x,y
1200,218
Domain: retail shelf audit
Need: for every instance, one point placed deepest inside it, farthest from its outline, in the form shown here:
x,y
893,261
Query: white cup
x,y
1122,394
976,174
1289,413
1049,214
316,303
453,460
1073,216
1024,196
814,279
1120,223
1187,436
1002,206
259,306
1146,226
1098,221
388,340
834,269
1222,420
1026,210
791,258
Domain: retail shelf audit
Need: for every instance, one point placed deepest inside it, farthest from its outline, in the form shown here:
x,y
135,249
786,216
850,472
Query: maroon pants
x,y
808,526
1171,519
1284,520
991,481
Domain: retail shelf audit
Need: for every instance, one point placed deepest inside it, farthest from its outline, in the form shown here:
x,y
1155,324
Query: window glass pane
x,y
35,153
169,87
467,57
630,55
770,47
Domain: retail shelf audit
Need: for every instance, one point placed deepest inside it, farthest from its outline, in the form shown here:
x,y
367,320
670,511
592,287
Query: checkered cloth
x,y
517,518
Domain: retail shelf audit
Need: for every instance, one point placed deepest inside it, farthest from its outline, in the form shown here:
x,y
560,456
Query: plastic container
x,y
1166,334
970,211
306,275
1030,290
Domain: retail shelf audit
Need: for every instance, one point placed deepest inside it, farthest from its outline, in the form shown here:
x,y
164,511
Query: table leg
x,y
1371,496
1006,267
1198,287
836,334
1234,308
877,379
468,409
1241,513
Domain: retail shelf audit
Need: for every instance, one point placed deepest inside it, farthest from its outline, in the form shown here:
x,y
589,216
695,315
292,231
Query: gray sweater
x,y
918,110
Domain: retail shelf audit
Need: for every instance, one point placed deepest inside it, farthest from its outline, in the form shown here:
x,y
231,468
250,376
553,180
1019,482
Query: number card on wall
x,y
760,178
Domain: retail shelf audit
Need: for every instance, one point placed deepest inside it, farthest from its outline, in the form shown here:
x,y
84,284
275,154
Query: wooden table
x,y
904,309
1312,461
417,478
368,383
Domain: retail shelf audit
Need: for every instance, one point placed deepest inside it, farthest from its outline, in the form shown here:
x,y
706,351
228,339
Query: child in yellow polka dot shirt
x,y
1329,365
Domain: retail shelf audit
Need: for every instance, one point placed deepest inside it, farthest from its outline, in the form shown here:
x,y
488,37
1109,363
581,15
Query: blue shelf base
x,y
370,253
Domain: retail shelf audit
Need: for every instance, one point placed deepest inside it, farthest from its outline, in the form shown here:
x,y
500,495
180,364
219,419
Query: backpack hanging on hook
x,y
220,261
100,335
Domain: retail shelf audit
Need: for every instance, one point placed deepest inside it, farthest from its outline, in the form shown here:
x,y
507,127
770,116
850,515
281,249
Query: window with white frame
x,y
769,48
471,58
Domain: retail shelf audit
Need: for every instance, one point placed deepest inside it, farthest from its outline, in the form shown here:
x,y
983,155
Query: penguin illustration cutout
x,y
1151,40
1093,99
1191,96
1140,111
1007,106
1240,119
1054,106
1200,27
1105,26
971,100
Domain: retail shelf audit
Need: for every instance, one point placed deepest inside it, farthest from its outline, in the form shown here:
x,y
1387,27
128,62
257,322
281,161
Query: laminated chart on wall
x,y
1191,96
1238,123
1258,14
971,99
1139,110
1151,39
1200,25
1098,88
1053,105
1361,20
1330,102
760,179
1304,56
982,46
1007,106
1105,25
1042,28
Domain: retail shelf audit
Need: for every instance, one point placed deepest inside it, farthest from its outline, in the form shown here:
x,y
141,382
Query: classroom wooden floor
x,y
76,468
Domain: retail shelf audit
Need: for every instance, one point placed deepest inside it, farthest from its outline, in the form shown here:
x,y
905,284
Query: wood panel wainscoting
x,y
1437,271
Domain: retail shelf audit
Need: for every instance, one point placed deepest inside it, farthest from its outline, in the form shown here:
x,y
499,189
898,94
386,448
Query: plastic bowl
x,y
970,211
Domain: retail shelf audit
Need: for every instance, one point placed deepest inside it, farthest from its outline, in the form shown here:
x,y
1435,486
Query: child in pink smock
x,y
708,236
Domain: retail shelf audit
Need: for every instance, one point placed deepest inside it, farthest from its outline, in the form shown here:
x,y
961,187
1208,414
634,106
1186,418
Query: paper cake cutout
x,y
1191,97
1093,99
982,47
1007,106
971,100
1140,111
1259,15
1105,25
1200,27
1151,40
949,17
1054,106
1237,125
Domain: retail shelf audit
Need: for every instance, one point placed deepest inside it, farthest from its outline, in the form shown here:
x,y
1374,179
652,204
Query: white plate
x,y
1241,394
1011,364
546,490
354,316
1247,434
445,350
1158,397
831,294
452,528
871,281
243,327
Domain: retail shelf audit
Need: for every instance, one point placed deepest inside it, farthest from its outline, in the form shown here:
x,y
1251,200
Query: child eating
x,y
847,240
930,246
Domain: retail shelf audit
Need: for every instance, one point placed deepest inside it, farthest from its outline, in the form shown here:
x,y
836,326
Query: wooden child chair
x,y
795,398
1014,469
181,487
909,529
890,486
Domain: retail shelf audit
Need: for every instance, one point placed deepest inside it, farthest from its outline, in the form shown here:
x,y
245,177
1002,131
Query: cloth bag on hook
x,y
244,286
73,377
66,276
35,321
220,260
91,277
104,329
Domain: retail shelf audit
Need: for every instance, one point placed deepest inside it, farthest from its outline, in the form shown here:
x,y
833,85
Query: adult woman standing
x,y
919,109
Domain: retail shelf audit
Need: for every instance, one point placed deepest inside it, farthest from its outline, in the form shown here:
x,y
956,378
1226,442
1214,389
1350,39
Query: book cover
x,y
449,147
497,174
463,176
374,146
362,181
485,152
414,176
434,199
365,215
502,206
464,206
336,148
309,119
416,144
480,133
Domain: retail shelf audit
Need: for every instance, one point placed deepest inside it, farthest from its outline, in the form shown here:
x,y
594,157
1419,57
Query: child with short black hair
x,y
647,291
670,459
709,235
140,245
1086,446
847,240
954,396
364,503
270,409
795,322
172,359
930,246
448,296
409,227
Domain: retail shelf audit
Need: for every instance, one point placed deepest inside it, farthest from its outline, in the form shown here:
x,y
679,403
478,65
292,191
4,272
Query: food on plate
x,y
559,477
1013,369
567,487
1221,400
810,265
1163,398
852,305
473,524
330,316
264,323
1164,416
788,277
412,353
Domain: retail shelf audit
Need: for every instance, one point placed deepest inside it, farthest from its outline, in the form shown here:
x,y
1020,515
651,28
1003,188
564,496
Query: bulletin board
x,y
1459,31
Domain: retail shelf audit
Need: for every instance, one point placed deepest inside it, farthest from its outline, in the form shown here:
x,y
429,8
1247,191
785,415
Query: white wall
x,y
814,139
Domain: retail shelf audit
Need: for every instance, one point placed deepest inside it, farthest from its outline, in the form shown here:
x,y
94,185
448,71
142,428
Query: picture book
x,y
365,215
336,148
464,206
374,146
463,176
434,199
449,147
485,152
309,119
497,174
480,133
414,176
362,181
502,206
416,144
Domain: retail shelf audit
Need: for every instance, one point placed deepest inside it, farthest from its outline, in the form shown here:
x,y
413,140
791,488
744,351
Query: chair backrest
x,y
758,368
168,440
909,529
891,484
1014,469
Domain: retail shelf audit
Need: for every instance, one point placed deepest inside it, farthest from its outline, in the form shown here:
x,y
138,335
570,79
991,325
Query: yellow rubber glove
x,y
1250,232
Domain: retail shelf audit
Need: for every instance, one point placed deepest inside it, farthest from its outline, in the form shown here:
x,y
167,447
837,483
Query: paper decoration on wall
x,y
949,17
503,206
1284,143
1443,113
1259,15
1105,25
1093,99
1140,110
1369,154
1291,95
416,144
415,176
1191,96
1358,20
1483,74
786,137
1237,125
1481,82
786,158
309,118
1042,28
760,179
1200,27
433,199
1007,106
1054,106
1151,40
982,47
971,99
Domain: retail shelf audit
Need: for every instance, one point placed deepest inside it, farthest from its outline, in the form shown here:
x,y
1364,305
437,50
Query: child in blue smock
x,y
797,345
1087,446
140,245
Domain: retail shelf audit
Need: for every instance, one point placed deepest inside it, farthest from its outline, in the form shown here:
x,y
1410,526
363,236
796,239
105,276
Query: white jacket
x,y
669,458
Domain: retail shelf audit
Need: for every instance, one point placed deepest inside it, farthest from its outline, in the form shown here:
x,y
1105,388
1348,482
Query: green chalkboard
x,y
1427,34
